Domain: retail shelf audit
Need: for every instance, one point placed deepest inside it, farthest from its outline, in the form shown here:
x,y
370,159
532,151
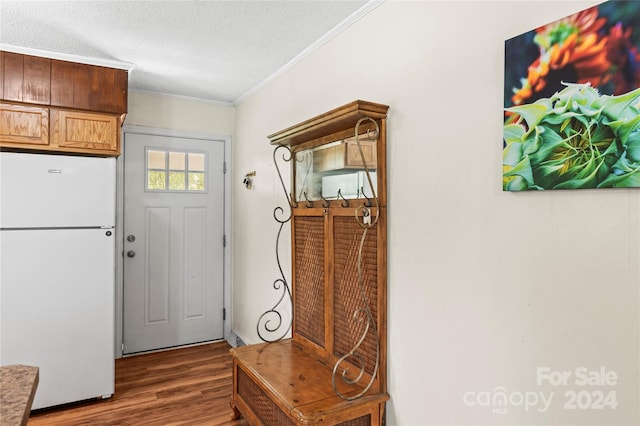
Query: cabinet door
x,y
23,125
92,133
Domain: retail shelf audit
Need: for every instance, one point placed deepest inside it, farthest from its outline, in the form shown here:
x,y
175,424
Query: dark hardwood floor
x,y
186,386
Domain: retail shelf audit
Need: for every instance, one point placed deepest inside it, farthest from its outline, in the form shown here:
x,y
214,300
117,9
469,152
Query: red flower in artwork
x,y
571,50
624,58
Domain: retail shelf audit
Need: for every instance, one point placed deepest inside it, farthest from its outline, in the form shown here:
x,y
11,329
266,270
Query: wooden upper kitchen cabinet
x,y
24,127
88,87
54,105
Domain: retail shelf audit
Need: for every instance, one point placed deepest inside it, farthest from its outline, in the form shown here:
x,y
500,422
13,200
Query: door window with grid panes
x,y
175,171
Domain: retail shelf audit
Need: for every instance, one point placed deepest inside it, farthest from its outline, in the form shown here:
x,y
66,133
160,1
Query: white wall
x,y
485,286
180,113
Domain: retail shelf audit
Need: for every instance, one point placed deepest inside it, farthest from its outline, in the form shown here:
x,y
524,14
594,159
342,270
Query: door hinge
x,y
224,241
224,167
224,314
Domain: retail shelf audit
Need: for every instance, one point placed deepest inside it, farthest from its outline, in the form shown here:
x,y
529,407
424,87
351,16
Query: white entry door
x,y
173,241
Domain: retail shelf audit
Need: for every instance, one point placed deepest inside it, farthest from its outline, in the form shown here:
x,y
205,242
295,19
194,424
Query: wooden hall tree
x,y
332,370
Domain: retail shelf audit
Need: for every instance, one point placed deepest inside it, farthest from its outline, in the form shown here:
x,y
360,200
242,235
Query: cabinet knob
x,y
131,253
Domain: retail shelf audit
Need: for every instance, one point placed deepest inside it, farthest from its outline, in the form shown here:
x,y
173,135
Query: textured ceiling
x,y
216,50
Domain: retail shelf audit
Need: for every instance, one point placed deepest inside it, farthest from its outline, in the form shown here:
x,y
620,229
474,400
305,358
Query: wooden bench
x,y
332,371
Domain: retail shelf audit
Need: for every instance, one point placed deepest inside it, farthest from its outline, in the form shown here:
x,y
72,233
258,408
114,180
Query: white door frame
x,y
119,291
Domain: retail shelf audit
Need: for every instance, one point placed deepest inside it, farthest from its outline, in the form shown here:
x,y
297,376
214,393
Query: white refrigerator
x,y
57,248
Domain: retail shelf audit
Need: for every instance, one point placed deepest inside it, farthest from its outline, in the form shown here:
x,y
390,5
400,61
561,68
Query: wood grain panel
x,y
85,131
37,80
13,76
84,81
21,124
89,87
26,78
94,88
45,81
62,83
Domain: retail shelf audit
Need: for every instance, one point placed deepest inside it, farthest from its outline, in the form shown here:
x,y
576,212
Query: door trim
x,y
119,290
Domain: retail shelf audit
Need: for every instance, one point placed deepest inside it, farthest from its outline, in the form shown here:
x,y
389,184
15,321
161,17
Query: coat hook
x,y
325,202
292,202
368,203
345,203
247,181
309,203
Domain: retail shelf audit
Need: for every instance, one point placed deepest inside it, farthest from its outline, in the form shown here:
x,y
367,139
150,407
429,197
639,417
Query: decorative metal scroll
x,y
365,218
271,322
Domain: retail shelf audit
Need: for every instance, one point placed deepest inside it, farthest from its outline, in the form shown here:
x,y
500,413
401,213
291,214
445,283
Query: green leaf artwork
x,y
572,102
578,138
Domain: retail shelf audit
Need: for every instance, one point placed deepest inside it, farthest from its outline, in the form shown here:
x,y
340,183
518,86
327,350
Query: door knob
x,y
131,238
131,253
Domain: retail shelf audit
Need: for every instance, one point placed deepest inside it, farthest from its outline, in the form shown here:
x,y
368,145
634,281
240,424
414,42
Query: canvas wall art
x,y
572,102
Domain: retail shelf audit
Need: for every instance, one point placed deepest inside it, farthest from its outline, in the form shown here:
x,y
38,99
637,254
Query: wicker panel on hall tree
x,y
308,287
